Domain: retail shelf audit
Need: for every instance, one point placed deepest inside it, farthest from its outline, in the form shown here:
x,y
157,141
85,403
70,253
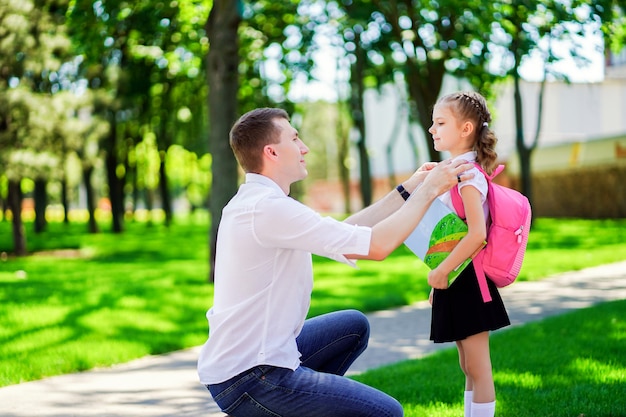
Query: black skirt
x,y
459,311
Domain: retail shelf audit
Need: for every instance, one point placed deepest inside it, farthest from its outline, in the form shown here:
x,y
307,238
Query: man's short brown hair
x,y
251,133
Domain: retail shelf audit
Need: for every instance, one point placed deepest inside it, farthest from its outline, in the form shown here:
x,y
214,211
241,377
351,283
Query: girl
x,y
461,127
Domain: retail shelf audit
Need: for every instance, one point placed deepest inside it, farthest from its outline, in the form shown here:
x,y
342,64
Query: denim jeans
x,y
328,344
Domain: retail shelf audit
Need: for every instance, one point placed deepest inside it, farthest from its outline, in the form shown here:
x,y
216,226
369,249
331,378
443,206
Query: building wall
x,y
574,113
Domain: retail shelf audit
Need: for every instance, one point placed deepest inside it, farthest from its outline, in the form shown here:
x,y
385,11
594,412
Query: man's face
x,y
291,150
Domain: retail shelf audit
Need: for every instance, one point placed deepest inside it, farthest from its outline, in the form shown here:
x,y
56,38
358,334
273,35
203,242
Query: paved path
x,y
167,385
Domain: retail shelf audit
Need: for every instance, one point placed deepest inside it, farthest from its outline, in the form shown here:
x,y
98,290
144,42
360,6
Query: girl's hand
x,y
438,279
430,296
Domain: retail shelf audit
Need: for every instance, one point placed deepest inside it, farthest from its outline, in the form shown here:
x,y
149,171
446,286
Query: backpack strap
x,y
480,276
457,202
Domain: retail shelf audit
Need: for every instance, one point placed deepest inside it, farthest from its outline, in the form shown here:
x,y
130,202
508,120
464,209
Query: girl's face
x,y
449,133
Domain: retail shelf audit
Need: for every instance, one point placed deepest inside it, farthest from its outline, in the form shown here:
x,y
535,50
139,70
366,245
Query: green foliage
x,y
33,49
570,365
189,173
148,55
612,14
276,44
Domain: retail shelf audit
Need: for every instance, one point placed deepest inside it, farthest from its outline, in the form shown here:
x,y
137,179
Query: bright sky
x,y
590,46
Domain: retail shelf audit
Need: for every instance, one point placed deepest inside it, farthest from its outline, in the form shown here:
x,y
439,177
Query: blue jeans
x,y
328,344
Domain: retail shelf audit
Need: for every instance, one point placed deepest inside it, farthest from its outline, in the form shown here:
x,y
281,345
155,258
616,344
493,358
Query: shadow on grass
x,y
126,300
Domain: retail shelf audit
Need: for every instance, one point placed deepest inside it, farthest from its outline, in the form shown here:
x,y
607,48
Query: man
x,y
262,357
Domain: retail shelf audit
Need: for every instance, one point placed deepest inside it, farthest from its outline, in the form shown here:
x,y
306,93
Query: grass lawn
x,y
118,298
565,366
110,298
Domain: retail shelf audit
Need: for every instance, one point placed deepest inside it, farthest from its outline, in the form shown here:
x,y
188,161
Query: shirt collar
x,y
468,156
252,178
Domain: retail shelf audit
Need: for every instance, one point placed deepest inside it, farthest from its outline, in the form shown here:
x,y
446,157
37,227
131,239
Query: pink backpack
x,y
507,233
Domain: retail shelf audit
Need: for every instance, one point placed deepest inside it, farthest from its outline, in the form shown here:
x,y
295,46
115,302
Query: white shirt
x,y
264,277
479,182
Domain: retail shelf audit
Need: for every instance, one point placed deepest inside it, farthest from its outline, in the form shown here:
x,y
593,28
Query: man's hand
x,y
418,176
427,166
446,175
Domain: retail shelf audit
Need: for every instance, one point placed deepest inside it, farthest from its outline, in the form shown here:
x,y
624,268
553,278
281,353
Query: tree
x,y
105,58
358,116
223,79
528,24
145,55
427,41
33,49
235,71
423,41
612,17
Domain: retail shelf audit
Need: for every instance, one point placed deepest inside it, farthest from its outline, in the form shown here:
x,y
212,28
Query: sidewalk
x,y
167,385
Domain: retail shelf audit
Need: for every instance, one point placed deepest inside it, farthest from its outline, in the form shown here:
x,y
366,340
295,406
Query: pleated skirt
x,y
459,311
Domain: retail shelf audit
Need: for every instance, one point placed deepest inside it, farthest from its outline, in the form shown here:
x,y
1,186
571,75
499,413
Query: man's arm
x,y
392,231
392,201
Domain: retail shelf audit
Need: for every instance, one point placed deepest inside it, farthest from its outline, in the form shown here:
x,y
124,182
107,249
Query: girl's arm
x,y
477,232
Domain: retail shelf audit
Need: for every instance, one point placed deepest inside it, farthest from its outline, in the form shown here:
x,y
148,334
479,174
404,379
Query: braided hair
x,y
472,106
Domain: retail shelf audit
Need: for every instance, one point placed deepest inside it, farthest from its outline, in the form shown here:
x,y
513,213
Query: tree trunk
x,y
64,201
358,114
148,195
343,152
131,176
41,202
523,151
391,142
92,224
3,208
164,143
223,81
424,86
166,198
15,204
116,193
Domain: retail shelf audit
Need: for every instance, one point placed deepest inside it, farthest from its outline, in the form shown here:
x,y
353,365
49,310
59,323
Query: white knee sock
x,y
467,403
483,409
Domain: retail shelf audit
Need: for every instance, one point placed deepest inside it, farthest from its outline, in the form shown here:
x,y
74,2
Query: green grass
x,y
570,365
140,293
112,298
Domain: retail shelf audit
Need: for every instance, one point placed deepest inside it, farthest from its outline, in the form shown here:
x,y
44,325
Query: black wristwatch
x,y
404,193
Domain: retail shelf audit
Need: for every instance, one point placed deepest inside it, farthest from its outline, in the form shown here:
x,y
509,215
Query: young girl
x,y
461,127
